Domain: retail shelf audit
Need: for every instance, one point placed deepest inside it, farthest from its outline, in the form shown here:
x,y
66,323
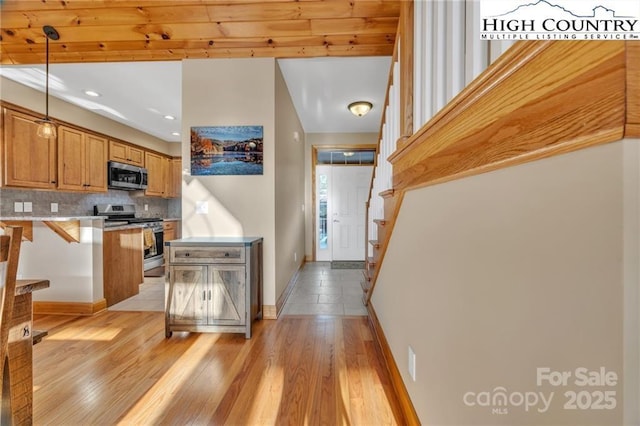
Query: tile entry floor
x,y
319,290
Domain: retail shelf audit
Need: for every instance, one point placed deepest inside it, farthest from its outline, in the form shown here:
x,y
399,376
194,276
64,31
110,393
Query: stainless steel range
x,y
152,230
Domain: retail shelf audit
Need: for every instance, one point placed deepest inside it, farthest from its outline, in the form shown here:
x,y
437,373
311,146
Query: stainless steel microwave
x,y
126,177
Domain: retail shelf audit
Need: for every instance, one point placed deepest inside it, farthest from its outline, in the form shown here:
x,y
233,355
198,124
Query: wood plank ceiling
x,y
150,30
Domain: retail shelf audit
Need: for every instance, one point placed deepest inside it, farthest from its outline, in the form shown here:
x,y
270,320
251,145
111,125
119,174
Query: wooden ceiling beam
x,y
241,52
189,31
59,49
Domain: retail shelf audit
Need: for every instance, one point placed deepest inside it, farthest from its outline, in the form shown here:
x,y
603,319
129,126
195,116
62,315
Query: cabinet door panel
x,y
118,152
96,163
227,295
124,153
175,180
30,160
70,158
156,169
188,304
136,156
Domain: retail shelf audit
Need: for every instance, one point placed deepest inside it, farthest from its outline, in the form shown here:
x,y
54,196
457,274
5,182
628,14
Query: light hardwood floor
x,y
118,368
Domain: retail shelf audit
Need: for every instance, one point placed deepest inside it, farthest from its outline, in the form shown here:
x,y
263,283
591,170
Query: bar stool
x,y
9,254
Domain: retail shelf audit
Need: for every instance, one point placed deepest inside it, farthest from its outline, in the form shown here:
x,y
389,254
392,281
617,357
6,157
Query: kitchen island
x,y
215,284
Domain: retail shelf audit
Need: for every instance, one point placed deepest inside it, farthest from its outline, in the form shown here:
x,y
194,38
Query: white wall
x,y
73,269
32,99
289,186
631,184
493,276
319,139
219,92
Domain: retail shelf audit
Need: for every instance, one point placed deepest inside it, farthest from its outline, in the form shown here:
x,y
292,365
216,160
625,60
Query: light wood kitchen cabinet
x,y
29,161
124,153
170,230
173,180
215,285
82,160
156,165
122,264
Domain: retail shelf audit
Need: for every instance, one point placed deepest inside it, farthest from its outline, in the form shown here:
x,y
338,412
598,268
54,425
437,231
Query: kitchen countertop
x,y
123,227
68,218
51,218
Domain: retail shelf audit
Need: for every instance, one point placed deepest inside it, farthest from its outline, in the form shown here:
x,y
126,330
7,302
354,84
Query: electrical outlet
x,y
18,207
28,207
54,207
146,207
412,364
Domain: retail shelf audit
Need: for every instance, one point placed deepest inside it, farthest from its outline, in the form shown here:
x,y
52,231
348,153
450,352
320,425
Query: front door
x,y
341,192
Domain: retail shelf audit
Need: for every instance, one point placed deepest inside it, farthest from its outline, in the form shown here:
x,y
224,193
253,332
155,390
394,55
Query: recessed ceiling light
x,y
175,134
169,117
91,93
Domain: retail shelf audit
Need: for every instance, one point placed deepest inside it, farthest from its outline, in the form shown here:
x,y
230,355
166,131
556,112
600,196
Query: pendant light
x,y
46,127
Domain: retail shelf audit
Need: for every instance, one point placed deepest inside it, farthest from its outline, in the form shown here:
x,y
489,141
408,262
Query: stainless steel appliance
x,y
153,233
126,176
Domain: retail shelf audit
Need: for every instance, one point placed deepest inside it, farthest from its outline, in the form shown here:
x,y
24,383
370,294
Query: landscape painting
x,y
226,150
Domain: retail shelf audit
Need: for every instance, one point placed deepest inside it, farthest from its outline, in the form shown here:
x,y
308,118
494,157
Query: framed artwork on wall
x,y
226,150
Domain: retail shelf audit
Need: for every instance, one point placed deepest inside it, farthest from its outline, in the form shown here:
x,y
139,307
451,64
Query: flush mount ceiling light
x,y
92,93
360,108
175,134
169,117
46,127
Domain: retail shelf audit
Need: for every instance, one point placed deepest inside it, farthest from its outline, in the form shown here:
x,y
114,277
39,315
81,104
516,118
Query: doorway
x,y
341,189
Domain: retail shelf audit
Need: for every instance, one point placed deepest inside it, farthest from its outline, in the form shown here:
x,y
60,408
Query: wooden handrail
x,y
632,125
538,100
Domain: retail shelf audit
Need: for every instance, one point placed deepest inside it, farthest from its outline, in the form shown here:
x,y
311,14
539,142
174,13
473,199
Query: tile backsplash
x,y
78,204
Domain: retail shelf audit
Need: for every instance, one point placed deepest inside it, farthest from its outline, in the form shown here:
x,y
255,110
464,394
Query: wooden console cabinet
x,y
215,285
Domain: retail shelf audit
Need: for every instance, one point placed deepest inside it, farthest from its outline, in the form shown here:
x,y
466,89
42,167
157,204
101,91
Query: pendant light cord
x,y
47,81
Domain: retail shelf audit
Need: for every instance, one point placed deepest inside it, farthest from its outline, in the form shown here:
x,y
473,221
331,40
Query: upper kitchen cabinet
x,y
124,153
82,161
156,165
28,161
174,178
